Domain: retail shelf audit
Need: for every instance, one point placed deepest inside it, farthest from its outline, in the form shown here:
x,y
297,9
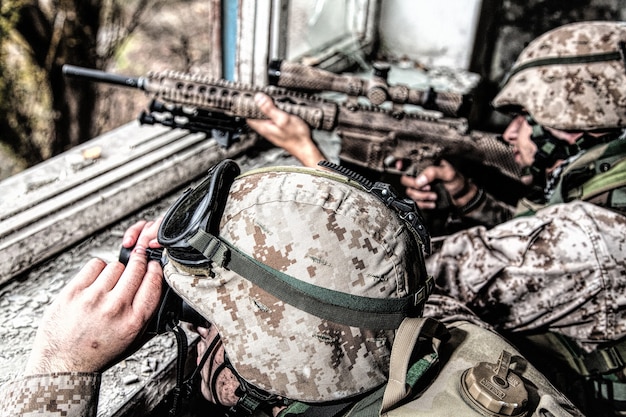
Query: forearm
x,y
557,270
306,152
488,211
58,394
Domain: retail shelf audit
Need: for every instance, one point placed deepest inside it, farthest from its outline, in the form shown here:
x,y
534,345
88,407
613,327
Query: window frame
x,y
262,29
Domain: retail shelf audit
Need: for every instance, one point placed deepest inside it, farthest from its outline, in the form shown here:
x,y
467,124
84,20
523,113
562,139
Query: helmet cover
x,y
571,78
322,229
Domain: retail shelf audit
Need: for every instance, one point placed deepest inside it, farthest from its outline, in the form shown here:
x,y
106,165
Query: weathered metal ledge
x,y
49,207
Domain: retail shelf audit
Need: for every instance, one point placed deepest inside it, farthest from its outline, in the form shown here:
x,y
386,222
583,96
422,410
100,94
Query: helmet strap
x,y
251,398
551,149
184,387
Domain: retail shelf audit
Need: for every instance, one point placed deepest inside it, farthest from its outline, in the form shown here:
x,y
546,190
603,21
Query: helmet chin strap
x,y
550,150
250,398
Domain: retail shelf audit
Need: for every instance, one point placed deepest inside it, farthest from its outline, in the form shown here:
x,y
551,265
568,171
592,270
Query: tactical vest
x,y
456,370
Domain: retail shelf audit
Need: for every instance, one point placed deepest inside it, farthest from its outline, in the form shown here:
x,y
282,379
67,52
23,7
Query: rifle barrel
x,y
102,76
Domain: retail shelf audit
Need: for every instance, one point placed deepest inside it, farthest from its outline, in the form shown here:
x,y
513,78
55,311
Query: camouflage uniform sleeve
x,y
561,269
487,211
58,394
490,212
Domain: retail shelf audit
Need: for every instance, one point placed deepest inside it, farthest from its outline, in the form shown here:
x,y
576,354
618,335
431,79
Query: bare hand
x,y
286,131
420,188
98,315
150,230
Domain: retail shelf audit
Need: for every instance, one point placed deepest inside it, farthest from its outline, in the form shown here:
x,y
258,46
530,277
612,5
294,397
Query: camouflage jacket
x,y
76,394
63,394
561,269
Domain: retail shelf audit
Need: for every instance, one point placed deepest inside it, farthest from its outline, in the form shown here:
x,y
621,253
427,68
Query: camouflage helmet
x,y
322,233
571,78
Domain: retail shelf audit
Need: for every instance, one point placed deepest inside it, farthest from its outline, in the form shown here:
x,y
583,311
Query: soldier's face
x,y
518,134
218,382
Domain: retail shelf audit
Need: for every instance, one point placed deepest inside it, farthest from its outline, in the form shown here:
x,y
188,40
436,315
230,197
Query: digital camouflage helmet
x,y
571,78
305,273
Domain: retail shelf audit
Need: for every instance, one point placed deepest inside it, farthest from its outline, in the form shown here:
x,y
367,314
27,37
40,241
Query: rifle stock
x,y
371,136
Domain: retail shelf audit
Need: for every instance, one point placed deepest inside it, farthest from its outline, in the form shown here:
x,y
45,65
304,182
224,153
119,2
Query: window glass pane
x,y
316,25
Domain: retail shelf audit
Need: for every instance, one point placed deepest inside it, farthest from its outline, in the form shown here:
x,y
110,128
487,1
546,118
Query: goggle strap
x,y
348,309
211,247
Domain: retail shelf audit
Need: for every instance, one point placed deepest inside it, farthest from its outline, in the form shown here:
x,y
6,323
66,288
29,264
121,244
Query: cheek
x,y
206,393
524,139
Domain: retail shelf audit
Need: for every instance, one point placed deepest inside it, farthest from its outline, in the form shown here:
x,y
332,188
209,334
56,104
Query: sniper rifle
x,y
372,137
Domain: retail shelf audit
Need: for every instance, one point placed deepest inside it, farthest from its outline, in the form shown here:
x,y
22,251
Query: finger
x,y
86,276
148,294
154,232
423,200
410,181
133,274
132,233
266,105
427,176
446,171
147,233
108,278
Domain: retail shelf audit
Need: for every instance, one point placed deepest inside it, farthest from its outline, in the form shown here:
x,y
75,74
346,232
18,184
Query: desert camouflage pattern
x,y
318,228
577,96
75,395
560,270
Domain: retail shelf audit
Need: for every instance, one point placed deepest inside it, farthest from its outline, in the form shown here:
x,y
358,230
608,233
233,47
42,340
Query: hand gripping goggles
x,y
189,233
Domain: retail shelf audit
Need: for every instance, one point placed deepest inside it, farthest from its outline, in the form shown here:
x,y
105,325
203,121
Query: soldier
x,y
310,285
553,275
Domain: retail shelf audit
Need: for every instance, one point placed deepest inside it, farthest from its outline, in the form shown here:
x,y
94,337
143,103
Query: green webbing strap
x,y
600,361
211,247
610,390
566,60
299,409
605,360
339,307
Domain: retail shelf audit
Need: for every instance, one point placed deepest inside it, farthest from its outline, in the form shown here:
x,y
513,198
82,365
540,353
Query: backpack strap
x,y
402,377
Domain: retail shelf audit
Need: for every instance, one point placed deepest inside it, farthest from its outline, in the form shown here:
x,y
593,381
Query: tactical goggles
x,y
197,211
190,234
